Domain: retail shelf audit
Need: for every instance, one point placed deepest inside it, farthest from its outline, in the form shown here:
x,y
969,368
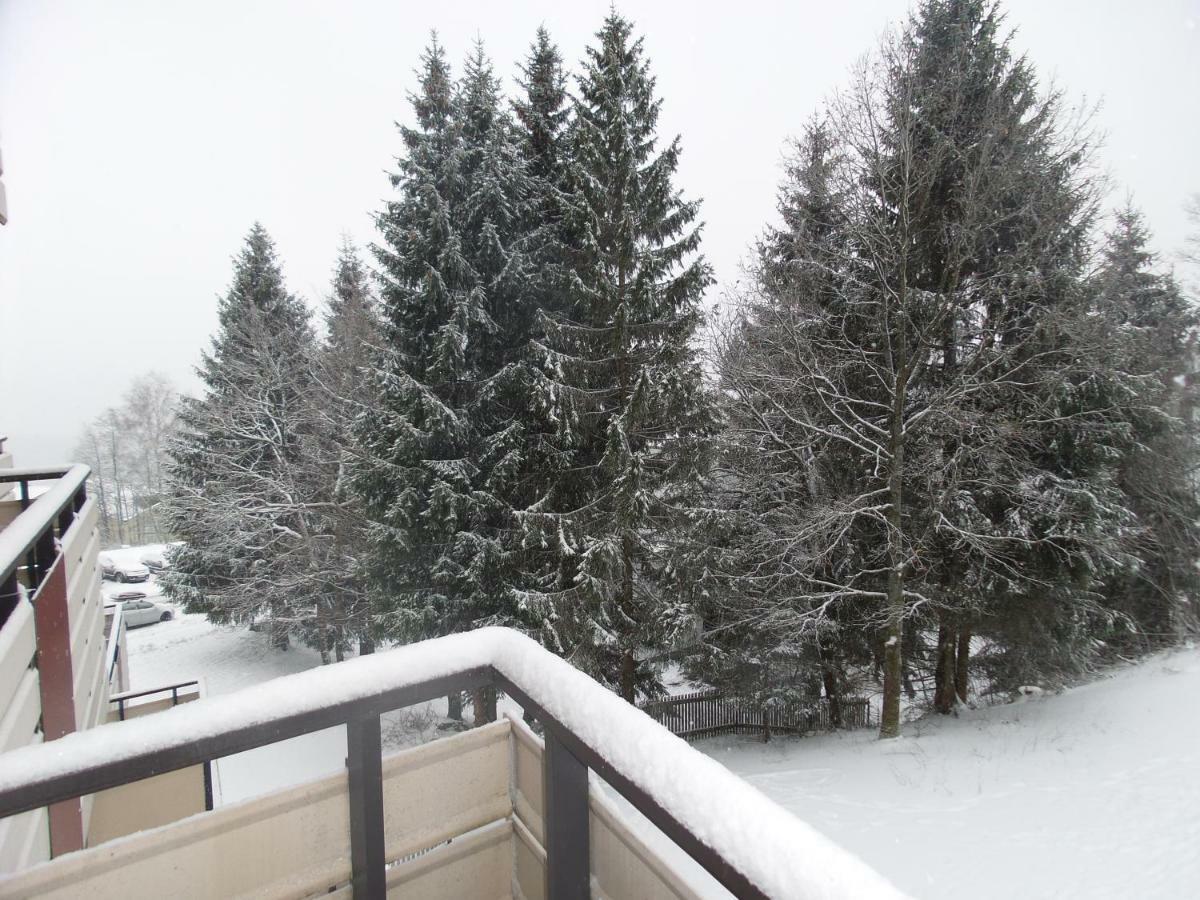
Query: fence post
x,y
364,760
565,789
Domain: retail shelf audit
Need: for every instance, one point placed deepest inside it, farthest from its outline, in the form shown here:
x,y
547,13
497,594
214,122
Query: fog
x,y
141,139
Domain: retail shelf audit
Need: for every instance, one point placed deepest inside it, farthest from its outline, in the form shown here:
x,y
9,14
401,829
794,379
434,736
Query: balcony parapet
x,y
748,843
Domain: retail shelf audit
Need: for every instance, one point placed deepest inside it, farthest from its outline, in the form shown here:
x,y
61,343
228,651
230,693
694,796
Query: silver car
x,y
122,571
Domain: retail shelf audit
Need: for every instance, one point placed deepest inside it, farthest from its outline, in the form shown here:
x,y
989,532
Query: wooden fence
x,y
707,713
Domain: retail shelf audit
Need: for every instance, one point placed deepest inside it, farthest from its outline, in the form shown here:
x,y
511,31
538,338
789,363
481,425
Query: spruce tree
x,y
348,357
352,324
543,111
1152,332
540,562
938,455
444,453
1024,517
619,375
247,489
767,640
411,474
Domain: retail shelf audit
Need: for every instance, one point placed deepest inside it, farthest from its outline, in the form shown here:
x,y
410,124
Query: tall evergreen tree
x,y
766,638
619,374
542,130
352,324
1002,202
412,474
348,359
1152,332
543,111
921,357
247,484
444,453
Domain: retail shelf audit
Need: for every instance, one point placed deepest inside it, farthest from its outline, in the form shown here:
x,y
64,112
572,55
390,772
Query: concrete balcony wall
x,y
151,802
52,670
462,818
24,839
623,864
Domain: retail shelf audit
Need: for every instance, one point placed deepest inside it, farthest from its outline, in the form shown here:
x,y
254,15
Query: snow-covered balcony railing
x,y
745,841
29,530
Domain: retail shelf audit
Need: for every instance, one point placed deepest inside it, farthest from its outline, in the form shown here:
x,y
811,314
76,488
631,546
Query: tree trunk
x,y
962,663
484,701
893,661
628,676
365,646
943,692
454,705
323,630
832,694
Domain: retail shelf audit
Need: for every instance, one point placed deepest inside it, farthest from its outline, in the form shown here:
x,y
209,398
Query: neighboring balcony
x,y
64,669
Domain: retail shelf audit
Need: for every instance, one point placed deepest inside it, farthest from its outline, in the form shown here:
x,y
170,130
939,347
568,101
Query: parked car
x,y
124,596
116,570
137,610
154,560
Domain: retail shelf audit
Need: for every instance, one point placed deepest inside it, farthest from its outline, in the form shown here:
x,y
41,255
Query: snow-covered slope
x,y
1093,793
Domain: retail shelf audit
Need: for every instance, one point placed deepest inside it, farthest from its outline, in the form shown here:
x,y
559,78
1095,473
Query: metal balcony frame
x,y
568,759
27,544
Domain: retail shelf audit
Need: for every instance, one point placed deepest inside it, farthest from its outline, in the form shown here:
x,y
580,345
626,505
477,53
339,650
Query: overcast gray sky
x,y
141,139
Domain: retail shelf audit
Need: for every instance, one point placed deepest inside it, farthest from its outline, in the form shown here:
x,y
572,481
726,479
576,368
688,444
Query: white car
x,y
117,570
137,610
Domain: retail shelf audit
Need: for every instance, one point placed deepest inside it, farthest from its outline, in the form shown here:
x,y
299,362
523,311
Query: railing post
x,y
10,595
364,760
208,785
565,788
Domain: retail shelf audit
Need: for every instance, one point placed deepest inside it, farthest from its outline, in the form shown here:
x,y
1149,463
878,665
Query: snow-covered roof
x,y
781,854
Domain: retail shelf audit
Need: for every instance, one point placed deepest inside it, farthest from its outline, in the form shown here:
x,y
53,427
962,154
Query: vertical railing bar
x,y
45,552
10,596
364,762
565,792
208,785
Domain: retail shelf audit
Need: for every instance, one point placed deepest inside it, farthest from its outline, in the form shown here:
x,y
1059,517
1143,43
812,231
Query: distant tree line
x,y
125,447
943,433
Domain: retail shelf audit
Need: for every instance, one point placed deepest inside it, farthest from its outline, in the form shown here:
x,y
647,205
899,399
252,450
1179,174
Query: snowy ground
x,y
1093,793
225,659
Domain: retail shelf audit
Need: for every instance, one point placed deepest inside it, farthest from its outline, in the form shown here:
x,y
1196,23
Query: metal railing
x,y
709,713
28,544
567,761
123,698
112,635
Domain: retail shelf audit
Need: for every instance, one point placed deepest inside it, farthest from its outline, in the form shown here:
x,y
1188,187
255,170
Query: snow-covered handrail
x,y
112,647
768,851
29,531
